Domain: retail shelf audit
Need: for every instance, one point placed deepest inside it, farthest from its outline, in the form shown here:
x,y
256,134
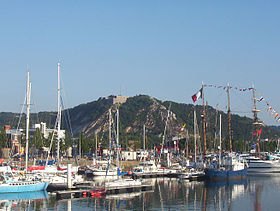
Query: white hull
x,y
123,183
263,166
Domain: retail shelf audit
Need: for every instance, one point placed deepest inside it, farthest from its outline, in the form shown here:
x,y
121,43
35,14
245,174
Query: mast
x,y
144,137
215,128
194,125
96,144
110,127
229,120
220,150
28,94
204,121
256,124
58,110
164,133
118,137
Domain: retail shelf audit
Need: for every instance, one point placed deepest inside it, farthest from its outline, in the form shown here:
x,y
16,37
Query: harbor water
x,y
253,193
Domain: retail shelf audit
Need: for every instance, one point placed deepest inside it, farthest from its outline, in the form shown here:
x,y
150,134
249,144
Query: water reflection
x,y
254,193
22,201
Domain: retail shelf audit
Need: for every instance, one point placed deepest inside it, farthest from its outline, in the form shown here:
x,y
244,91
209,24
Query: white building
x,y
128,155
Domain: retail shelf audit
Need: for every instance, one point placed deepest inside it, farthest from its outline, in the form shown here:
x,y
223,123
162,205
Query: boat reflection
x,y
21,201
25,195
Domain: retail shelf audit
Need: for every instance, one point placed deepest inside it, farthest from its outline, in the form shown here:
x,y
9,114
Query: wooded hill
x,y
142,110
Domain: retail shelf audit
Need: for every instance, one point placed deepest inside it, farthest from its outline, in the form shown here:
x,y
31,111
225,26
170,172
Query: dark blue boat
x,y
222,174
230,168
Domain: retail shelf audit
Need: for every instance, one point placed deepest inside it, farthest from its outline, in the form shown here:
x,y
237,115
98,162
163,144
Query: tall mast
x,y
144,137
96,144
256,124
58,109
220,150
28,94
164,133
110,127
229,120
204,121
118,137
215,128
194,129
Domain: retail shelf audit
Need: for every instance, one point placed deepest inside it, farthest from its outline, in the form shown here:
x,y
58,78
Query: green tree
x,y
3,139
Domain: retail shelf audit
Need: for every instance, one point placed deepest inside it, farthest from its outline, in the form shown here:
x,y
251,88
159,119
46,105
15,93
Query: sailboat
x,y
48,167
121,182
194,172
104,169
8,184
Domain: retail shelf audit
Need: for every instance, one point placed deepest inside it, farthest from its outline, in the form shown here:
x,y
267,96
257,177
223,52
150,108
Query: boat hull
x,y
19,187
263,166
215,174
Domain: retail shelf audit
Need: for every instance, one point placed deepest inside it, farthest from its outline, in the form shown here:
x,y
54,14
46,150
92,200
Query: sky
x,y
161,48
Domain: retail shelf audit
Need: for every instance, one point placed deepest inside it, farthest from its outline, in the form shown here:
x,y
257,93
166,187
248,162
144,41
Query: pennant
x,y
260,99
276,115
269,108
196,96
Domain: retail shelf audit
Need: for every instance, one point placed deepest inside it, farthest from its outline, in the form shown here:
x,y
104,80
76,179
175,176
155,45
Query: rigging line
x,y
67,119
20,116
243,112
37,115
56,121
67,110
246,103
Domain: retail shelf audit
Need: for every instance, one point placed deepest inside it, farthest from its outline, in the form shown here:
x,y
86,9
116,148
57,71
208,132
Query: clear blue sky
x,y
164,49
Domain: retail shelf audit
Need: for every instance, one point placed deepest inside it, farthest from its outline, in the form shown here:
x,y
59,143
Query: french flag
x,y
196,96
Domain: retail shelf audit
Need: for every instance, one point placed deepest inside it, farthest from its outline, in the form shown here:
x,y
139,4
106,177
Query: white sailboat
x,y
104,170
56,169
121,182
8,183
194,172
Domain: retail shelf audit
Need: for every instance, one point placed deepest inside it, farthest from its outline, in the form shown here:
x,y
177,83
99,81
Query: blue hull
x,y
24,195
19,187
216,174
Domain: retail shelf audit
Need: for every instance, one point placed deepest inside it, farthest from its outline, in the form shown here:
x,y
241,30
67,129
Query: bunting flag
x,y
260,99
269,108
196,96
258,132
181,129
225,87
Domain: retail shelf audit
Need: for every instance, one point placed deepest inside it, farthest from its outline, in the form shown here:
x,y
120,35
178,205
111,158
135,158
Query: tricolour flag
x,y
196,96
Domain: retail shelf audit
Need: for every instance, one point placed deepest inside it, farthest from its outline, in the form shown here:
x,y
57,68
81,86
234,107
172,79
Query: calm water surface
x,y
254,193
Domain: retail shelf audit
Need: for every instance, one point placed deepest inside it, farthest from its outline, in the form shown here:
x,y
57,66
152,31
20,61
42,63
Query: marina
x,y
139,105
252,193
